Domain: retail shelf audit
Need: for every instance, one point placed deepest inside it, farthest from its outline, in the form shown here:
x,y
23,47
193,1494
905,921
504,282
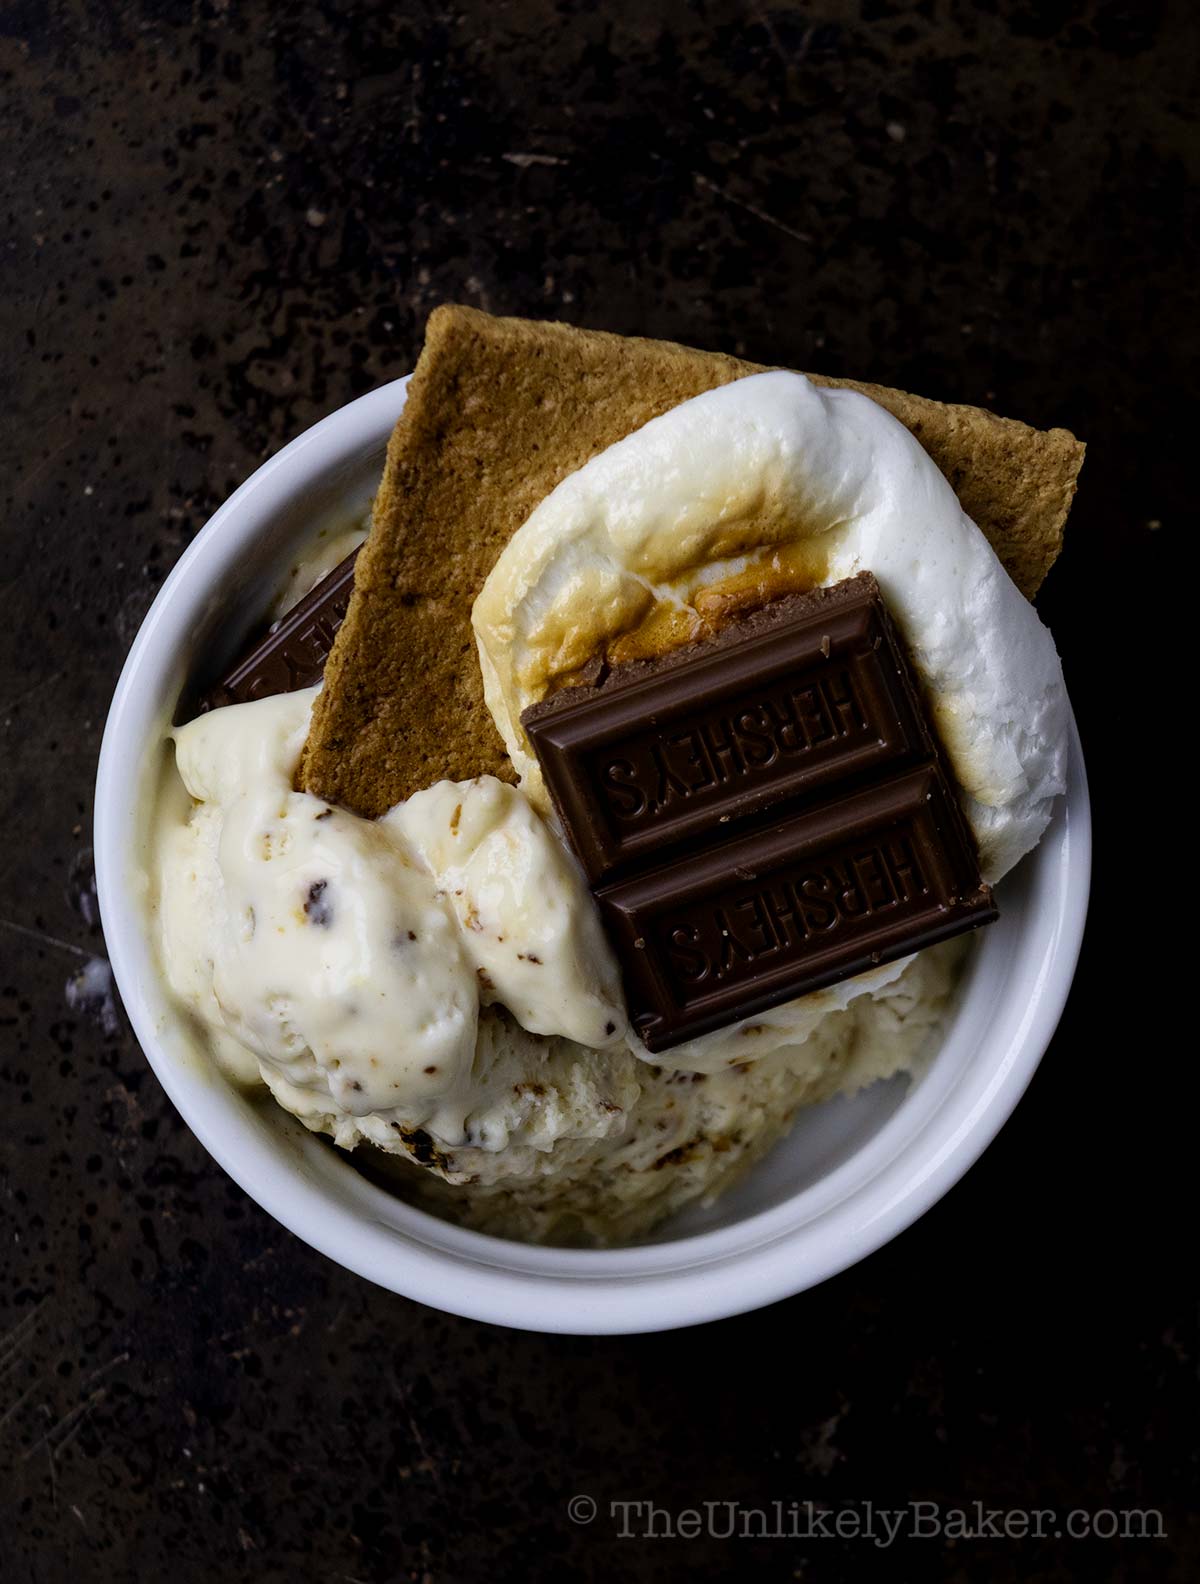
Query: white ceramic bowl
x,y
850,1175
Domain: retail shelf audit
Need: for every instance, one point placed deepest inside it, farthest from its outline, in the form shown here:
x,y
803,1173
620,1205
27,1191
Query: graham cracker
x,y
499,411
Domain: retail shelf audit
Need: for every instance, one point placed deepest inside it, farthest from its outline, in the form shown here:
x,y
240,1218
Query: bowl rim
x,y
655,1286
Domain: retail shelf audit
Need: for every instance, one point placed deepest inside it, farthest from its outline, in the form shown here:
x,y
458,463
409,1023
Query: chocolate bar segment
x,y
294,652
761,814
752,922
808,693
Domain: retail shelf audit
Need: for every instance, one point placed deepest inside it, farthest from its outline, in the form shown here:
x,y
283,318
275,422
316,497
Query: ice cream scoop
x,y
350,956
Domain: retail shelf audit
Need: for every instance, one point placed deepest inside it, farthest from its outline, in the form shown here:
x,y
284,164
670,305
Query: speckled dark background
x,y
224,220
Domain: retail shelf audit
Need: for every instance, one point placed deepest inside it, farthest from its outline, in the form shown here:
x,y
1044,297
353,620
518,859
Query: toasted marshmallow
x,y
758,483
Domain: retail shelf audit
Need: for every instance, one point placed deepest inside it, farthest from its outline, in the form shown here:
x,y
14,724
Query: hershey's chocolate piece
x,y
761,814
730,931
293,654
802,695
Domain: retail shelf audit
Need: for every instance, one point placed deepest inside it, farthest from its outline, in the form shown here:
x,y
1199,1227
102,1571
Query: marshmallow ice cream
x,y
437,985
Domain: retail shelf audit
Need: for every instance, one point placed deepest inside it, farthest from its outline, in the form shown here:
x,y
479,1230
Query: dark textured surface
x,y
223,221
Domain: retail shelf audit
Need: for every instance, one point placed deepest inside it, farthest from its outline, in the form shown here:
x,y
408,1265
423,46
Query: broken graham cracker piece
x,y
499,412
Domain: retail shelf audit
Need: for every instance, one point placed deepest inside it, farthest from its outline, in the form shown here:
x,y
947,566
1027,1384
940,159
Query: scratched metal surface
x,y
222,222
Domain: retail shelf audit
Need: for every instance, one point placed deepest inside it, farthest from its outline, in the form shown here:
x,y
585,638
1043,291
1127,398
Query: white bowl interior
x,y
851,1173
